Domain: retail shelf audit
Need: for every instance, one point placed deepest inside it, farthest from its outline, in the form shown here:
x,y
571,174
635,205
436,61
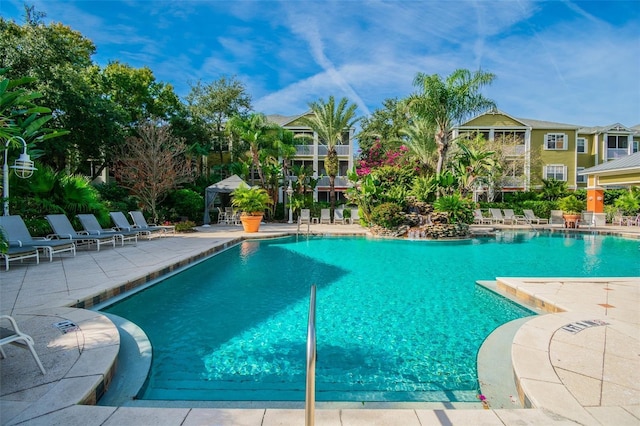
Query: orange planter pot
x,y
251,223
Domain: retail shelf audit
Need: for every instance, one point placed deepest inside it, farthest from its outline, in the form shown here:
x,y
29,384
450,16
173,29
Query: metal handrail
x,y
310,398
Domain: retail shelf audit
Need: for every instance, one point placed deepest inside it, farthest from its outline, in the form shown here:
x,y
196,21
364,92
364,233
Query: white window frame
x,y
553,138
555,166
581,142
635,147
580,178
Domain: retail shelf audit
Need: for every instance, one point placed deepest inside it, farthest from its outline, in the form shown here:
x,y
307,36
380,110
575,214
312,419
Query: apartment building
x,y
311,151
546,149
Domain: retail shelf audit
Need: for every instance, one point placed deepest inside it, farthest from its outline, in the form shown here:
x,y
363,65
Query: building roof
x,y
539,124
625,163
615,127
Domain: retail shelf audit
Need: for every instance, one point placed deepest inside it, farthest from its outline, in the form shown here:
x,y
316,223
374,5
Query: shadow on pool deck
x,y
81,362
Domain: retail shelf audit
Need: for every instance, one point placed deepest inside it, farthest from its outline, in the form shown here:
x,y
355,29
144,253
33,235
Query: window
x,y
555,141
580,178
555,171
581,145
617,146
635,146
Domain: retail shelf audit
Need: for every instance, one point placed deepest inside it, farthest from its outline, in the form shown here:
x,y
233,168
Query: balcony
x,y
340,182
513,181
307,150
514,150
615,153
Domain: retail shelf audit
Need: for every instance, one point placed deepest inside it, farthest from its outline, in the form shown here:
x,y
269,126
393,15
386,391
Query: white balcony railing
x,y
514,150
340,182
513,181
615,153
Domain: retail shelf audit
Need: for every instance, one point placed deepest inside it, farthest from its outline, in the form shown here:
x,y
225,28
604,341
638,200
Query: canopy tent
x,y
225,186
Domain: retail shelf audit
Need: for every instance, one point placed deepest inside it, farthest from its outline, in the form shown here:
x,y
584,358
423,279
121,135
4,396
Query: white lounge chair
x,y
556,218
339,216
531,217
355,216
18,338
510,216
305,216
496,216
325,216
18,235
19,253
478,218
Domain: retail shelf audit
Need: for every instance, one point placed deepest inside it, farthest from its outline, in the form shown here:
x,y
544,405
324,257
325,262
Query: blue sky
x,y
570,62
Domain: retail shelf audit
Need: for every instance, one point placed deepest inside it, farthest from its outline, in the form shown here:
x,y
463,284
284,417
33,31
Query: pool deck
x,y
580,364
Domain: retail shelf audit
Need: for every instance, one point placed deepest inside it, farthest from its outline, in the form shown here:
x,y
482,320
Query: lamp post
x,y
23,168
289,194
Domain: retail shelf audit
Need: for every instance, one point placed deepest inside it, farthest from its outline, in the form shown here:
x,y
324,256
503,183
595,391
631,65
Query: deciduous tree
x,y
153,163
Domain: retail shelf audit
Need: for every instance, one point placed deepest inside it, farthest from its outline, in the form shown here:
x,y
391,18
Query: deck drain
x,y
65,326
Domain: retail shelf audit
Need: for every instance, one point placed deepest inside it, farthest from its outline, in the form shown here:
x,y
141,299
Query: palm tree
x,y
420,142
444,104
472,165
329,122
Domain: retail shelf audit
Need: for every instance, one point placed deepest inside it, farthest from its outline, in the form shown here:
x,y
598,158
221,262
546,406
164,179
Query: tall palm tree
x,y
446,103
329,122
420,142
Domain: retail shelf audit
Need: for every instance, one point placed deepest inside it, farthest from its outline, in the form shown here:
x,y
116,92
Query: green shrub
x,y
460,209
387,215
183,203
186,226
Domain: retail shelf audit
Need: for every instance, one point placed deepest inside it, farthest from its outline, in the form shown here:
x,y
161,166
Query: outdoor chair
x,y
556,218
509,215
355,216
63,230
588,219
122,224
478,218
325,216
16,337
633,221
305,216
92,226
531,217
222,216
496,216
18,235
141,223
19,253
338,216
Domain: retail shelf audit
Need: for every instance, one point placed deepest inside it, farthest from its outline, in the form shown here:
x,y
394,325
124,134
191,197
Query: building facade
x,y
311,151
544,149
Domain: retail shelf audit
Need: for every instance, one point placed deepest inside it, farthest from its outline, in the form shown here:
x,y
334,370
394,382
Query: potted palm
x,y
252,202
571,208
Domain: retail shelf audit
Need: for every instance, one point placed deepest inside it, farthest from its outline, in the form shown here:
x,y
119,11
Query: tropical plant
x,y
442,104
421,144
553,189
628,203
330,121
471,166
458,208
571,205
252,201
387,215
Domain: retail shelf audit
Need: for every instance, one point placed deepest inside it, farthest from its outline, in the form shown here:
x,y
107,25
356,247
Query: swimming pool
x,y
397,320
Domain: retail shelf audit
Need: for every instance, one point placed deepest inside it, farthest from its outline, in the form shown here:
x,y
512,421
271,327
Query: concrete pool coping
x,y
80,364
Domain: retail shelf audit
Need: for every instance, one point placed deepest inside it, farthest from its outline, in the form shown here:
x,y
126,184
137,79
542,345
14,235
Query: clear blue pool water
x,y
397,320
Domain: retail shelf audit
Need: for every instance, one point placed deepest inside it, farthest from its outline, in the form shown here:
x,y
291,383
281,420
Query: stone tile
x,y
284,417
586,390
532,364
633,409
613,416
65,393
614,394
620,371
94,361
147,416
532,417
583,361
75,415
380,418
458,417
236,417
623,344
555,398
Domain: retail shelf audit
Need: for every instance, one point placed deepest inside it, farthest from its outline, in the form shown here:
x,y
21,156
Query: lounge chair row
x,y
66,239
507,216
325,217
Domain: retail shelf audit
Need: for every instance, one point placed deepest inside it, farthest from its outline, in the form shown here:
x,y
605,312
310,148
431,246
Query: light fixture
x,y
289,194
23,168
